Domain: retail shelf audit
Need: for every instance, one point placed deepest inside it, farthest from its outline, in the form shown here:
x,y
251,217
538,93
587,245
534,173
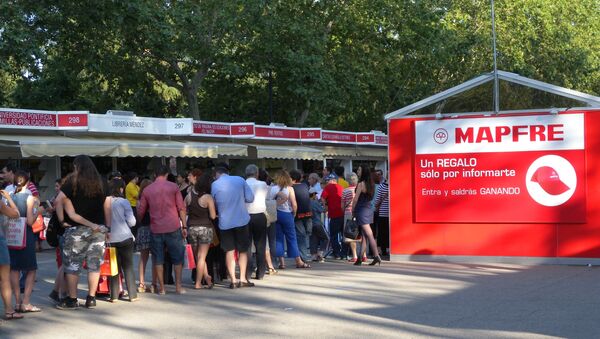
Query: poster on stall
x,y
518,169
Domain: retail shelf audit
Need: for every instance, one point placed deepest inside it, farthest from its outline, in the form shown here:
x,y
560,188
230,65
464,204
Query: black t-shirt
x,y
91,208
302,198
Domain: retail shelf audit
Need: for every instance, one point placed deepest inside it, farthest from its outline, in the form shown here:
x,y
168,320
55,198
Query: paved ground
x,y
406,300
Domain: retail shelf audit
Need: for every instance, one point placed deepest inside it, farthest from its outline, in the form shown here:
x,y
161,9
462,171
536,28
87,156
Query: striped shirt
x,y
382,199
347,196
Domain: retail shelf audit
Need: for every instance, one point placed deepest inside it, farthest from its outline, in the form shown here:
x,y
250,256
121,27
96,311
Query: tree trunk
x,y
191,97
303,116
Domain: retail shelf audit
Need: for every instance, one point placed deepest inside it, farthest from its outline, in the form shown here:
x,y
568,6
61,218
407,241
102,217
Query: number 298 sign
x,y
521,169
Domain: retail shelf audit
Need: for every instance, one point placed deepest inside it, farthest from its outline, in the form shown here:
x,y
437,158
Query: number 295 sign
x,y
520,169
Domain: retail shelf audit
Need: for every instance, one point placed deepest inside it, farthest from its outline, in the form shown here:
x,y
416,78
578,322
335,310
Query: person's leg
x,y
5,288
29,282
16,288
289,230
383,240
201,270
279,237
157,247
72,281
115,280
144,255
300,230
127,267
335,227
176,249
368,235
230,260
252,237
260,242
243,262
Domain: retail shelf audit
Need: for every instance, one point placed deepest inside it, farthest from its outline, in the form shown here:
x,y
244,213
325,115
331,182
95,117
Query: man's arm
x,y
248,195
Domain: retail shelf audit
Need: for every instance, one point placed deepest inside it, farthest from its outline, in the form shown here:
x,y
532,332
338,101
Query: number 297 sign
x,y
521,169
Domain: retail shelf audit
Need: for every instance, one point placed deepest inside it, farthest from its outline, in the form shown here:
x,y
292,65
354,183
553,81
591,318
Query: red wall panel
x,y
489,239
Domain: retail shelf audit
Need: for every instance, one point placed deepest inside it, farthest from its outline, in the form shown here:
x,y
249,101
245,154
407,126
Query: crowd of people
x,y
231,224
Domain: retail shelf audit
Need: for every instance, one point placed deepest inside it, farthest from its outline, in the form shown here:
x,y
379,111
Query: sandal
x,y
30,309
14,315
304,265
281,267
142,288
272,271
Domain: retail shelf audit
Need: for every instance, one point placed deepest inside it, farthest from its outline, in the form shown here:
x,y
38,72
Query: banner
x,y
521,169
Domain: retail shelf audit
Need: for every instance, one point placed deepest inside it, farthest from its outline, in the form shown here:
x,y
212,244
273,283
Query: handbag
x,y
38,224
351,230
271,211
16,235
109,266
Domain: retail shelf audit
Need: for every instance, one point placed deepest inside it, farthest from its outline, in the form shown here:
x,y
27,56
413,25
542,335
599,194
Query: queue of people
x,y
223,217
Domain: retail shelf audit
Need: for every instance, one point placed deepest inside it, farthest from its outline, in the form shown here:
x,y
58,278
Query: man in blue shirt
x,y
231,193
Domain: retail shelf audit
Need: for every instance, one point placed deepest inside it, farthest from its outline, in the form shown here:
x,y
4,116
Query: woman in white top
x,y
258,221
119,218
286,210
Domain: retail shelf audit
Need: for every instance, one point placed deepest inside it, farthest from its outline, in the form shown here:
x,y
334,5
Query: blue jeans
x,y
286,230
303,231
174,243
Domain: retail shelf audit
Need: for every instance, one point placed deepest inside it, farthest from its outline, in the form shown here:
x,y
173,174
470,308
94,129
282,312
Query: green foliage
x,y
337,64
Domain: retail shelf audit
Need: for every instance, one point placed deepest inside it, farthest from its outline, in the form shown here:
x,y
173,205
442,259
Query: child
x,y
319,238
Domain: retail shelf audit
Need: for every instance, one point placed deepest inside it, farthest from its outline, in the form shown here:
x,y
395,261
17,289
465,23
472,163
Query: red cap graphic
x,y
549,180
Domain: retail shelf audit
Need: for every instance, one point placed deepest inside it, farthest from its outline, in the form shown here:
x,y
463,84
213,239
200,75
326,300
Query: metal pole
x,y
270,97
496,84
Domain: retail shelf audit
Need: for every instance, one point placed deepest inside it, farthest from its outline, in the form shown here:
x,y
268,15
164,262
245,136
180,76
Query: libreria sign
x,y
520,169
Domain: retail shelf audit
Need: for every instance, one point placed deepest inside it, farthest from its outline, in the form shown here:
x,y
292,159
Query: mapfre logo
x,y
551,180
440,136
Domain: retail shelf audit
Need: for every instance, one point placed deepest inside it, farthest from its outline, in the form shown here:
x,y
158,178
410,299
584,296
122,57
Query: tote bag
x,y
16,235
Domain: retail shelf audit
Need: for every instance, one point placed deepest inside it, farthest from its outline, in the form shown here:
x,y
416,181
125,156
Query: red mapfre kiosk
x,y
516,186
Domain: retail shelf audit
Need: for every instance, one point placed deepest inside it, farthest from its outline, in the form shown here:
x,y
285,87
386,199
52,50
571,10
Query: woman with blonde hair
x,y
283,193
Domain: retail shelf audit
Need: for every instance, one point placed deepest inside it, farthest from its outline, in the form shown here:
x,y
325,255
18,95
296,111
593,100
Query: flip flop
x,y
14,315
30,309
304,265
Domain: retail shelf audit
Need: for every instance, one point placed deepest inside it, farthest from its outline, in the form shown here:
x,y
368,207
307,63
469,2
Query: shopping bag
x,y
16,235
43,232
109,266
38,224
189,260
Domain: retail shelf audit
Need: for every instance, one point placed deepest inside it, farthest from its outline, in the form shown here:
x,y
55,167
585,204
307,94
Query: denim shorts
x,y
4,256
173,242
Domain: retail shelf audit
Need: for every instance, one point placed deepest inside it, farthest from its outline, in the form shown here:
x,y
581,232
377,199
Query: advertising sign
x,y
277,133
139,125
521,169
338,137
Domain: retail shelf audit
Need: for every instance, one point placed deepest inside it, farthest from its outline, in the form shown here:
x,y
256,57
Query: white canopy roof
x,y
590,100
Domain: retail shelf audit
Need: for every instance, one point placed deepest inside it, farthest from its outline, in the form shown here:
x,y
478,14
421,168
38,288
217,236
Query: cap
x,y
331,176
548,179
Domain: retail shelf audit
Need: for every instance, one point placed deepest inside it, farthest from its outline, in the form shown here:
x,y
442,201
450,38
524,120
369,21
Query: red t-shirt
x,y
332,194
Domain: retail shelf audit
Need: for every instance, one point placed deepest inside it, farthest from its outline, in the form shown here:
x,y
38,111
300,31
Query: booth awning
x,y
333,151
372,152
288,152
51,146
164,148
230,149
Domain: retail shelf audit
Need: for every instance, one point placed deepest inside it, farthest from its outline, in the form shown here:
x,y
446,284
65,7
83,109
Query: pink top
x,y
163,200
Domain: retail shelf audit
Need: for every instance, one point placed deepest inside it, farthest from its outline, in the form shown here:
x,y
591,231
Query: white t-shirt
x,y
286,206
260,190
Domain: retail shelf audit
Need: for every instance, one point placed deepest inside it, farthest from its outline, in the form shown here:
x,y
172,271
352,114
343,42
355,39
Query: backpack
x,y
54,230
